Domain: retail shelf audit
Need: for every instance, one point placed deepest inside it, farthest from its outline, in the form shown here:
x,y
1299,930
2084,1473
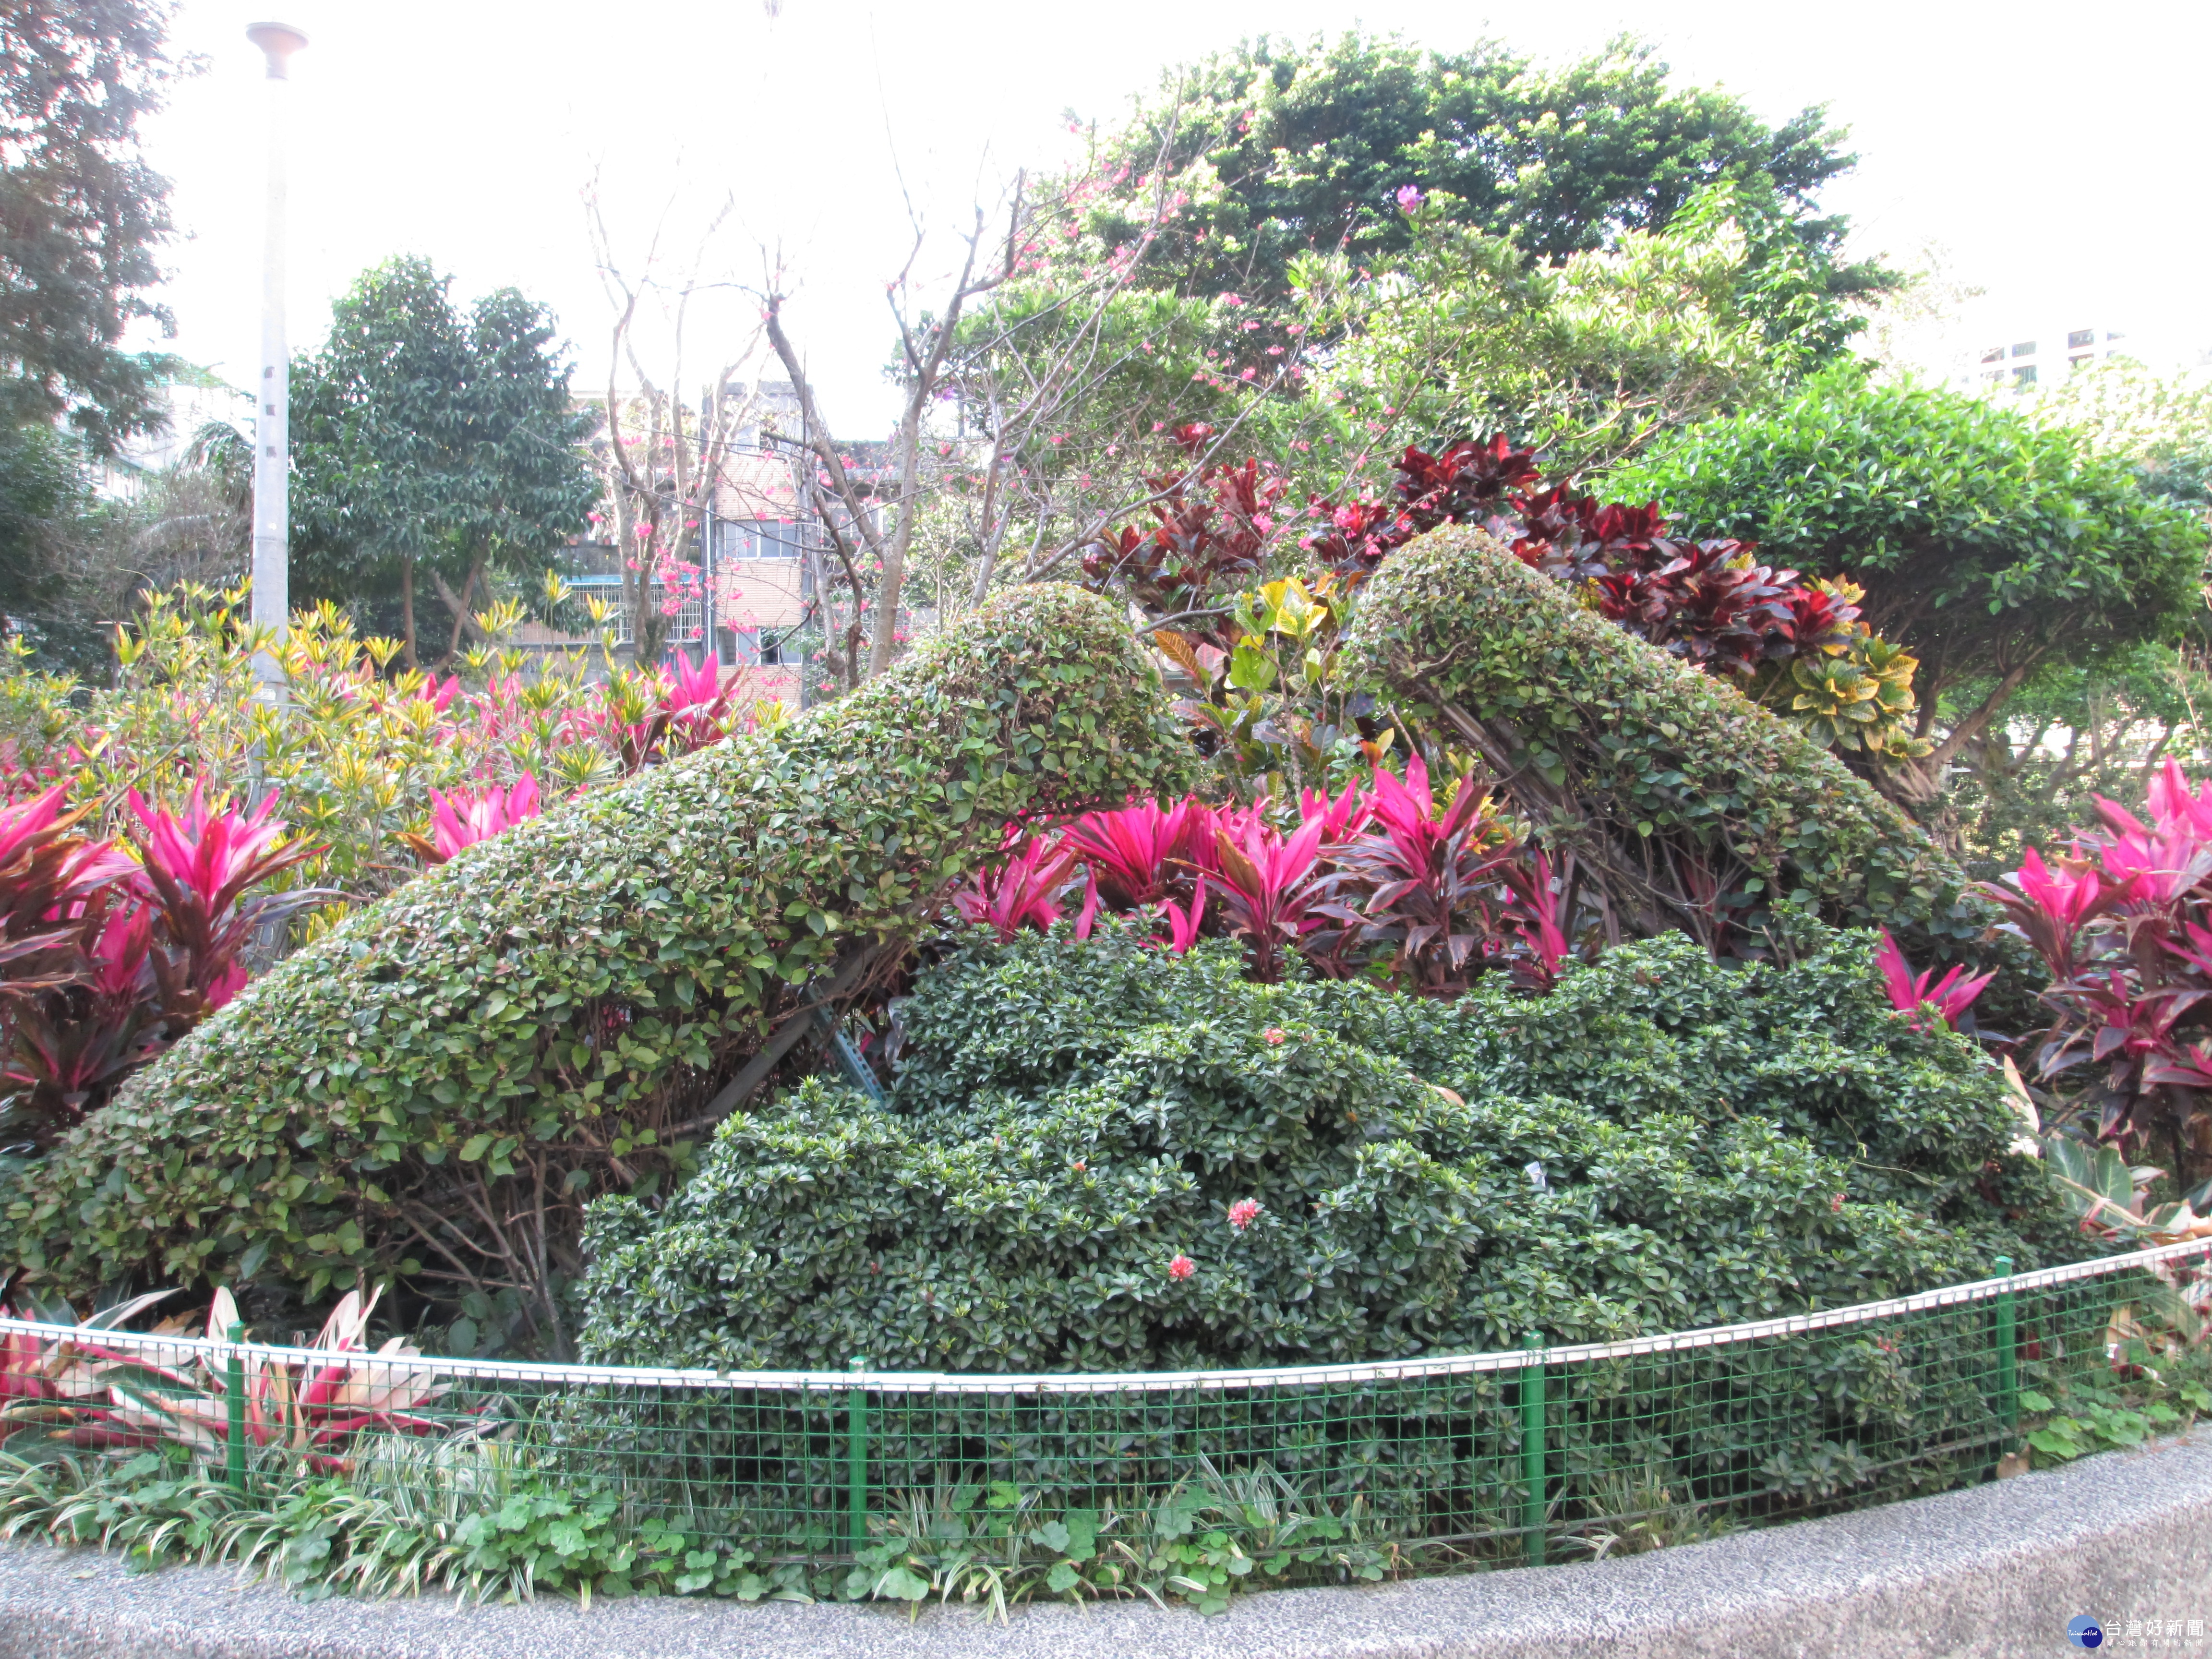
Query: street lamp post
x,y
272,402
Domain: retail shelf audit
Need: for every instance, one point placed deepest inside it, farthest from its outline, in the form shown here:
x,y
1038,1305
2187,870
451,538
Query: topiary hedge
x,y
1665,1141
437,1089
1670,800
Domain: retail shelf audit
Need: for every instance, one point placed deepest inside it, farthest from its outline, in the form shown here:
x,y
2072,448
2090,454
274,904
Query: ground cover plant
x,y
437,1085
1103,1156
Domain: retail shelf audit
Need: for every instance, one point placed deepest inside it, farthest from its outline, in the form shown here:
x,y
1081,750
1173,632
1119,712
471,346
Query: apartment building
x,y
762,545
2036,354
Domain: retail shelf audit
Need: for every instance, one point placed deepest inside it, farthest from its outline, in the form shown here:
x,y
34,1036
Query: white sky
x,y
2055,151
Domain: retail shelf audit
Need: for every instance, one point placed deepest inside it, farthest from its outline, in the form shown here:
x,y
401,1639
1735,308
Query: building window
x,y
2025,349
1994,354
2024,375
688,624
2114,334
2080,336
755,647
1995,376
2082,362
761,538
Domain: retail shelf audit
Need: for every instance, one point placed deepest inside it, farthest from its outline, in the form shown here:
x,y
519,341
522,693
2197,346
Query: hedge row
x,y
439,1087
1665,793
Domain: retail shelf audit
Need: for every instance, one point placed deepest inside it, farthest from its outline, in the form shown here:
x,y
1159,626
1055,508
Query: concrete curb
x,y
1997,1570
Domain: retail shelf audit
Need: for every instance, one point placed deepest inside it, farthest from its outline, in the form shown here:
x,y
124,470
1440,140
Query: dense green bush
x,y
1664,1141
1990,546
1669,799
439,1086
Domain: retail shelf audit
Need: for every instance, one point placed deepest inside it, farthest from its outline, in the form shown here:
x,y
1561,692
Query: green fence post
x,y
235,1394
856,1461
2008,1351
1532,1447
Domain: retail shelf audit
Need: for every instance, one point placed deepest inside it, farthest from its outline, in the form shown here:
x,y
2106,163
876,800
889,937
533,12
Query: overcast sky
x,y
2057,152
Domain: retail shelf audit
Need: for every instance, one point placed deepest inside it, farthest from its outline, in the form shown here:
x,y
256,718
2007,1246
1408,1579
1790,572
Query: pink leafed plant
x,y
1139,852
89,1390
1950,996
197,867
1341,817
1269,887
2124,922
1022,889
1185,921
462,819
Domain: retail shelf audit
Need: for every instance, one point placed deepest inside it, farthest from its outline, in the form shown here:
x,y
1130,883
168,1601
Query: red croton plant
x,y
110,955
1709,601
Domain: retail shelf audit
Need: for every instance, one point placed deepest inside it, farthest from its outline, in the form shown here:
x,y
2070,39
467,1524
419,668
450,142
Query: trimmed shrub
x,y
437,1089
1670,800
1061,1179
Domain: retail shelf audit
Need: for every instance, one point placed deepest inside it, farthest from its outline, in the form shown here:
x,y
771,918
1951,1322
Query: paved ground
x,y
1996,1571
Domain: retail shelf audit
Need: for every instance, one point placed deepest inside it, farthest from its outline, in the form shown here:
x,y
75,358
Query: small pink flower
x,y
1274,1034
1409,198
1182,1267
1243,1213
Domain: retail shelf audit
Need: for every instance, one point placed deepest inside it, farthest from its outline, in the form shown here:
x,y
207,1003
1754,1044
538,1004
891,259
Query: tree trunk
x,y
407,608
459,605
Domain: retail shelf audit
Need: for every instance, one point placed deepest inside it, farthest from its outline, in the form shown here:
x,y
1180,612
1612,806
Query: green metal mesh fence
x,y
1542,1453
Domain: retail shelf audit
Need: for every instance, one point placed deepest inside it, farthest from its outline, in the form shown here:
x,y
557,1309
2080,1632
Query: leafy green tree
x,y
431,446
1288,148
1992,548
1588,360
81,213
2161,422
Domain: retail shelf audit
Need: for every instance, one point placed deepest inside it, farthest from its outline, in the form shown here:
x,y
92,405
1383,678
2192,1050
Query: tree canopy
x,y
1990,546
1292,146
431,443
81,213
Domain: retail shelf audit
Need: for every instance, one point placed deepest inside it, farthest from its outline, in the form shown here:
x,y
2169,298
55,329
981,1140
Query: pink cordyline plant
x,y
1950,996
1269,885
1132,853
1022,889
2123,922
197,867
89,1390
462,819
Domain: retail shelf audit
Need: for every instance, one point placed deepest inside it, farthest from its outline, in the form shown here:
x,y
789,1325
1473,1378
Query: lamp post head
x,y
278,41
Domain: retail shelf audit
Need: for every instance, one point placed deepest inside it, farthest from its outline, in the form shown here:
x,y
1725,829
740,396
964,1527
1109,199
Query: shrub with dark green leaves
x,y
1669,800
1103,1158
439,1087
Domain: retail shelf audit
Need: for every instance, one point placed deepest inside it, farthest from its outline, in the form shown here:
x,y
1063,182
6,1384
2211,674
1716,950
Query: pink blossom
x,y
1182,1267
1248,374
1229,299
1243,1213
1409,198
1274,1034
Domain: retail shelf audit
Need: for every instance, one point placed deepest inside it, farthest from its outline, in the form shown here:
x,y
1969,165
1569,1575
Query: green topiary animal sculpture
x,y
437,1089
1668,800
